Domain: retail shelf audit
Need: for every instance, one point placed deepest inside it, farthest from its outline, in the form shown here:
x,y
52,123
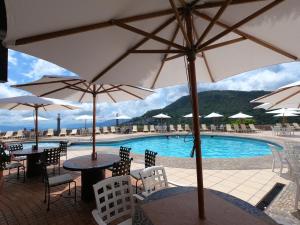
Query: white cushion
x,y
61,179
136,174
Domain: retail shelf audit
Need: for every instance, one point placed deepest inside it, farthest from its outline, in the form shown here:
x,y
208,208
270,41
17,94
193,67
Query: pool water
x,y
180,146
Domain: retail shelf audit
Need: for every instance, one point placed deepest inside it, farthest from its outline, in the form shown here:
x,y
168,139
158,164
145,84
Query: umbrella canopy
x,y
284,97
287,114
263,106
35,103
240,115
32,118
214,115
161,116
155,43
190,115
284,111
75,89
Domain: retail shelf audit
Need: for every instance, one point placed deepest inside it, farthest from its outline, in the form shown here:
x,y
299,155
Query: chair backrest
x,y
51,156
63,145
275,153
90,130
228,127
134,128
124,153
152,127
113,129
50,131
15,147
236,126
186,127
20,133
252,127
145,127
121,168
203,125
105,130
150,158
74,131
179,127
154,179
213,127
63,130
114,198
293,157
243,126
97,130
171,127
9,133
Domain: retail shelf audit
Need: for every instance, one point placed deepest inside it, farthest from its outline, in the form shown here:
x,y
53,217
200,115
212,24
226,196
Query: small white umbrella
x,y
85,118
240,115
190,115
214,115
32,118
161,116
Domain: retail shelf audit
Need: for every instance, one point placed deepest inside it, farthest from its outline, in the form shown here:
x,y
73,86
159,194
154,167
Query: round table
x,y
92,171
33,169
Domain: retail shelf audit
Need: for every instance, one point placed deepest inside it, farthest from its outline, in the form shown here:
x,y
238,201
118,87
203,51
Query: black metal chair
x,y
124,154
63,148
55,181
121,168
51,157
7,164
150,158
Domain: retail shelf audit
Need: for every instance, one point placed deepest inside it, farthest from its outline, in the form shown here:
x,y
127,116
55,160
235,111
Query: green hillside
x,y
223,102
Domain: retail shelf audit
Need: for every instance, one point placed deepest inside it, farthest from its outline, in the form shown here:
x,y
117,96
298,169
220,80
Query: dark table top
x,y
86,163
28,151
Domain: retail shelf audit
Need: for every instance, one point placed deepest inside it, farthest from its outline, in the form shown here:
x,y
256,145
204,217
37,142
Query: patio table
x,y
92,171
178,206
33,169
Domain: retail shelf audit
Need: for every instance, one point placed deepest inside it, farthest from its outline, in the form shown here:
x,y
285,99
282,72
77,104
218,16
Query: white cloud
x,y
11,58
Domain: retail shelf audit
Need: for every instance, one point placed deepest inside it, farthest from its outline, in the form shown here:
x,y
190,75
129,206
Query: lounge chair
x,y
253,128
146,129
229,128
134,129
222,127
236,128
50,133
113,129
179,128
187,128
63,132
244,128
172,129
20,134
105,130
296,126
213,127
204,127
73,132
152,129
97,131
9,134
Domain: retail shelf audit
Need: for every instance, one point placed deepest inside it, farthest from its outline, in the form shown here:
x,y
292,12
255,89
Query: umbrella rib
x,y
213,21
137,87
151,51
164,58
85,91
148,35
240,23
289,96
249,37
41,83
208,67
179,22
74,86
125,54
111,89
128,92
267,95
109,95
99,88
85,28
59,89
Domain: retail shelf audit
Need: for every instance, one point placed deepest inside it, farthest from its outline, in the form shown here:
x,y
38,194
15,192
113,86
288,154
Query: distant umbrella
x,y
161,116
214,115
240,115
190,116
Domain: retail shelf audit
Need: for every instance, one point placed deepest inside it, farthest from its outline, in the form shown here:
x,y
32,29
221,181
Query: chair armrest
x,y
175,184
138,197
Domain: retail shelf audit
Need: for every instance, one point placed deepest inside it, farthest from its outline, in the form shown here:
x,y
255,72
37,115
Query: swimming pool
x,y
180,146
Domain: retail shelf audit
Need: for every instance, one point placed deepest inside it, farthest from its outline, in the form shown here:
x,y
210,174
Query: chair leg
x,y
24,174
48,207
75,194
45,199
69,188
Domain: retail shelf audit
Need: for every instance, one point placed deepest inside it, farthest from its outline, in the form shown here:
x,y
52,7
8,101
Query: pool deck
x,y
248,179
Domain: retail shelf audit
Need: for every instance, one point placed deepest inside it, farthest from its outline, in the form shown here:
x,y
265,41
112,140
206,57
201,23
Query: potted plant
x,y
4,159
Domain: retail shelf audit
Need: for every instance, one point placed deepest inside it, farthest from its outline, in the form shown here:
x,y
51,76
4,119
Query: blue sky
x,y
24,68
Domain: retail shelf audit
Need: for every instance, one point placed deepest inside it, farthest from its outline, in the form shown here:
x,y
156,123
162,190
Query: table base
x,y
88,179
33,169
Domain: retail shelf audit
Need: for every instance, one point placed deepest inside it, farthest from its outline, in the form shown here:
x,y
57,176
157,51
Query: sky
x,y
24,68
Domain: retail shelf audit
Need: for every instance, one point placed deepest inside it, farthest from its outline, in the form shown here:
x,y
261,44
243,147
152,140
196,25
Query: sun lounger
x,y
134,129
296,126
222,127
50,133
145,128
105,130
204,127
236,128
213,127
8,135
244,128
253,128
179,127
73,132
97,130
152,129
90,131
187,128
63,132
172,129
229,128
20,134
113,129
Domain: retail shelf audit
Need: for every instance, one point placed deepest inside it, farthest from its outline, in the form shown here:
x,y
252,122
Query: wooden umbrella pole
x,y
196,122
36,109
94,155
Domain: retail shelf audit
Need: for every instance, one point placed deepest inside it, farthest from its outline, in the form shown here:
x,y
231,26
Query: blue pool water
x,y
212,146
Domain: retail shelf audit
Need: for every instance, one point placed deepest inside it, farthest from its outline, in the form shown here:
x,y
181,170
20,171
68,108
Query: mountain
x,y
226,103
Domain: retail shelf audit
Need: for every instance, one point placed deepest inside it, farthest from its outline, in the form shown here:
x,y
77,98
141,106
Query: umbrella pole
x,y
36,126
191,57
94,155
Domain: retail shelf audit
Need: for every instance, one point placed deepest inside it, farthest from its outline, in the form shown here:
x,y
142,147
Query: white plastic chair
x,y
73,132
97,130
112,129
145,128
114,199
253,128
213,127
50,133
105,130
179,127
187,128
8,135
152,129
236,128
134,129
171,127
278,157
204,127
20,134
229,128
63,132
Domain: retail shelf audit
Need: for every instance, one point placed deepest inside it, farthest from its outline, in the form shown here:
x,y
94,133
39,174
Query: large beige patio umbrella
x,y
73,88
287,96
31,102
156,43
